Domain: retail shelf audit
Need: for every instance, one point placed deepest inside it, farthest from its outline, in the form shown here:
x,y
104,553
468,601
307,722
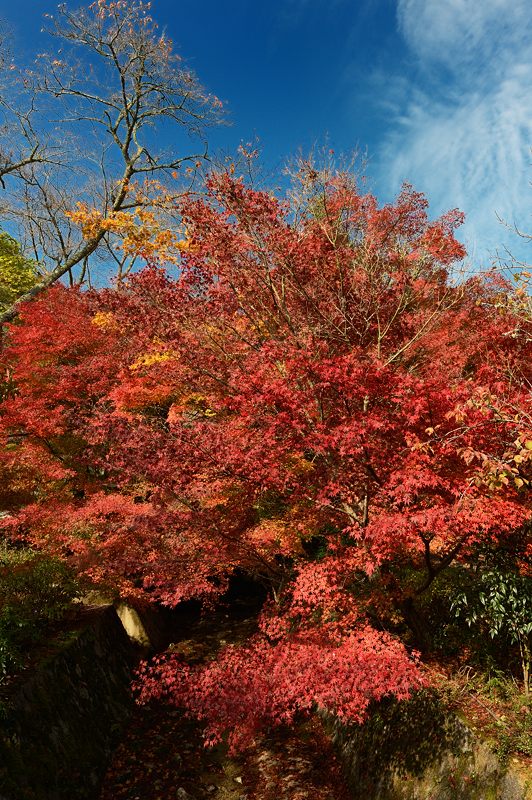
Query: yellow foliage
x,y
148,359
192,405
139,232
105,320
299,465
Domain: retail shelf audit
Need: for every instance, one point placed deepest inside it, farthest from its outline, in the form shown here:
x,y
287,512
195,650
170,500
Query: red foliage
x,y
311,400
267,684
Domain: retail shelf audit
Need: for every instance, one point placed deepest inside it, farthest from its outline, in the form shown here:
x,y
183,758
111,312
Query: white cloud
x,y
457,31
465,140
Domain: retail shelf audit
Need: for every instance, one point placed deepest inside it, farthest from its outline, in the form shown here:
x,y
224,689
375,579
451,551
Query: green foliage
x,y
270,505
17,273
500,600
503,602
35,592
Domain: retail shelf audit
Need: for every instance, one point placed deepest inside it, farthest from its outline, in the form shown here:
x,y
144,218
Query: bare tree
x,y
105,102
20,145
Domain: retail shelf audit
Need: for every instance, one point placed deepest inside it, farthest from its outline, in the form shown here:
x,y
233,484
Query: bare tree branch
x,y
117,93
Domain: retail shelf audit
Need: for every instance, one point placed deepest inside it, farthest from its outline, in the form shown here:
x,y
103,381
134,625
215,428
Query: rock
x,y
423,750
182,794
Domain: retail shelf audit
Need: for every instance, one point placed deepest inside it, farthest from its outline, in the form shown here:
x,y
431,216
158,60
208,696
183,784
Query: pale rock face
x,y
132,623
144,627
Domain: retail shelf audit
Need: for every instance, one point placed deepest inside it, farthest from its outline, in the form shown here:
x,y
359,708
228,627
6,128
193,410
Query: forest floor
x,y
492,704
162,756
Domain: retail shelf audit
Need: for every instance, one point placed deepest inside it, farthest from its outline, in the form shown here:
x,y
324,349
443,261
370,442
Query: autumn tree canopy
x,y
313,400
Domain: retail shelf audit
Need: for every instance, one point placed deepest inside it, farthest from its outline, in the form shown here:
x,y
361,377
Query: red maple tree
x,y
313,401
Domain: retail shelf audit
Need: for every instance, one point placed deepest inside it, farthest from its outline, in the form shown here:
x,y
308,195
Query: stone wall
x,y
419,751
59,724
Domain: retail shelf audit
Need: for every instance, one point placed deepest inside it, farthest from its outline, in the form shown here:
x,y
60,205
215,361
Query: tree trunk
x,y
526,659
417,624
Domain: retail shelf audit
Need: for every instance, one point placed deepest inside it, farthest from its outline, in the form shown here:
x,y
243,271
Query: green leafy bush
x,y
501,602
18,274
35,592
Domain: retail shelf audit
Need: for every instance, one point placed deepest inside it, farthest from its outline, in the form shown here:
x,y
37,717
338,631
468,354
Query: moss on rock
x,y
418,750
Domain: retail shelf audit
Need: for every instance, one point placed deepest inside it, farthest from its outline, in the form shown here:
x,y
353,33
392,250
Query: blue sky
x,y
436,92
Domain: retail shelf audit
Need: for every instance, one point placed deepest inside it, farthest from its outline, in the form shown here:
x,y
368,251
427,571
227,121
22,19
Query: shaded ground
x,y
162,756
492,704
